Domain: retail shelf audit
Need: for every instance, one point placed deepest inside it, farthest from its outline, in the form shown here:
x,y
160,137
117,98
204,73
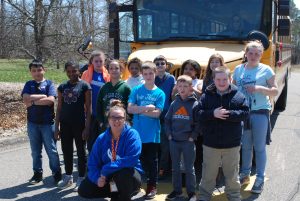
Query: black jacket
x,y
218,133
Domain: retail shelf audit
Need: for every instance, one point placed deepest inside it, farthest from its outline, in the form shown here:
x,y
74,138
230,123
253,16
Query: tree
x,y
37,18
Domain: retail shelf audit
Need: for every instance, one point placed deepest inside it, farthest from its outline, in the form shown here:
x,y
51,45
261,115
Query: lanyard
x,y
114,149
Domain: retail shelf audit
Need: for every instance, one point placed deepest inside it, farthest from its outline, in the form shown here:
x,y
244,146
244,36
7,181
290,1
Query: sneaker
x,y
36,178
258,186
66,182
192,197
57,177
78,182
244,180
174,195
150,192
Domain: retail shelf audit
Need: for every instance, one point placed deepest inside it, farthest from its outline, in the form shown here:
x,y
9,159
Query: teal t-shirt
x,y
255,76
148,127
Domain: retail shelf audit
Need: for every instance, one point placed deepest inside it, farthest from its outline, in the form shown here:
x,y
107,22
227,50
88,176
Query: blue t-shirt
x,y
96,84
148,127
40,114
255,76
166,84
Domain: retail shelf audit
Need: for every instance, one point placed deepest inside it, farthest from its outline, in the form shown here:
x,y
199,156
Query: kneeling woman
x,y
113,166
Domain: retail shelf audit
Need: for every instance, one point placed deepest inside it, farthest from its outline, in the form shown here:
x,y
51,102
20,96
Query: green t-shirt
x,y
107,93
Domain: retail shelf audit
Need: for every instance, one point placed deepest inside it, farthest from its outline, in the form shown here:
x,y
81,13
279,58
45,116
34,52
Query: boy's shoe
x,y
57,177
244,180
66,182
192,197
258,186
150,192
36,178
173,195
78,182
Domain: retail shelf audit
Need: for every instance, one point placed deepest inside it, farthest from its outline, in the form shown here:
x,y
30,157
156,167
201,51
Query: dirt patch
x,y
12,110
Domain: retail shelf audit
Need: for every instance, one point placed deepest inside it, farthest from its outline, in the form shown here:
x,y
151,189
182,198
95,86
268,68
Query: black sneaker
x,y
174,195
57,177
36,178
192,197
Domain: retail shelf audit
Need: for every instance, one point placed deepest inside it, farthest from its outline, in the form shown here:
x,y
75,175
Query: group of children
x,y
205,119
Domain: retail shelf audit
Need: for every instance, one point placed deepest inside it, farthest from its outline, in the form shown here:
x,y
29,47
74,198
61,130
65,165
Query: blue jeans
x,y
188,150
255,137
39,135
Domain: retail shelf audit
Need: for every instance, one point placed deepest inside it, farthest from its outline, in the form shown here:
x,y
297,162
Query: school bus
x,y
195,29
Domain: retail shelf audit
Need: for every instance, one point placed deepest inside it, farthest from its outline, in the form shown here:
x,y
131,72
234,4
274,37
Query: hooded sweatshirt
x,y
108,92
179,121
219,133
127,154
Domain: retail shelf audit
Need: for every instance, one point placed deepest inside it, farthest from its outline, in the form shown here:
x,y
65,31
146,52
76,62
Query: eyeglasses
x,y
160,63
113,118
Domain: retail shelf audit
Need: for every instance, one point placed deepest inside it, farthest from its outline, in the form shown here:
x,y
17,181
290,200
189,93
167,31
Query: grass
x,y
16,70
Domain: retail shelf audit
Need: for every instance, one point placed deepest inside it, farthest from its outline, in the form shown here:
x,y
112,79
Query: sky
x,y
297,2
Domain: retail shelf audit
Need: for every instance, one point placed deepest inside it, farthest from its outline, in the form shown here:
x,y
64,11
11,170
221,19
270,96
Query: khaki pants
x,y
229,158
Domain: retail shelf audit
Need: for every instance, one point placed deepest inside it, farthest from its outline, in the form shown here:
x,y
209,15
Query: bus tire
x,y
282,100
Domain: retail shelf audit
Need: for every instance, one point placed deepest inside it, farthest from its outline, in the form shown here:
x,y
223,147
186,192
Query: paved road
x,y
283,168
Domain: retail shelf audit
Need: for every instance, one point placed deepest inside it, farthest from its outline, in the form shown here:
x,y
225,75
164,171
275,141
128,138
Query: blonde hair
x,y
221,69
185,79
97,53
254,44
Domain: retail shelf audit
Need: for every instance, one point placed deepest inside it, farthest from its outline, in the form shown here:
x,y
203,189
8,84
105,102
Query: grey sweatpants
x,y
229,158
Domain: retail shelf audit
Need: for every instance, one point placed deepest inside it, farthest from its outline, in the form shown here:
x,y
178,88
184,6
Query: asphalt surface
x,y
283,166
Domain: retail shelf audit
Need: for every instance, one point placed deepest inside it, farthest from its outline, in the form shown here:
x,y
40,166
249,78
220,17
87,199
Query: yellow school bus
x,y
196,29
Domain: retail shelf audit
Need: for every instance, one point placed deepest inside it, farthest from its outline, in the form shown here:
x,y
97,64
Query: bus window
x,y
145,26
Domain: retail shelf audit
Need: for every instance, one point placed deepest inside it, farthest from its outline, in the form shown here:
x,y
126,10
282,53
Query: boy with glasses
x,y
166,82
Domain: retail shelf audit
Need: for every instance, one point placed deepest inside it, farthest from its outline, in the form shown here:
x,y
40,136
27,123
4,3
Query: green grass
x,y
16,70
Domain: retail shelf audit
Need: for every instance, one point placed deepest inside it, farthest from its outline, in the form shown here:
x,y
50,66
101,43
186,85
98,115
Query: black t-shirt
x,y
73,98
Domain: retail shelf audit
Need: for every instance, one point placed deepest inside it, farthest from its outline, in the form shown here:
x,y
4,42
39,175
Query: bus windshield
x,y
158,20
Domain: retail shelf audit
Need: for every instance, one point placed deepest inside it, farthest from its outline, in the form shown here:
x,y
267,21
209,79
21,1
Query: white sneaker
x,y
78,182
66,182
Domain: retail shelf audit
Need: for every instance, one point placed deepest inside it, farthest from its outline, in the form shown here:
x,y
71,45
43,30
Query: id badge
x,y
113,187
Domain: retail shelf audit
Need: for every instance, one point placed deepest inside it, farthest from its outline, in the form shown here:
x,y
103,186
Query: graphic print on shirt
x,y
70,95
109,154
147,99
245,81
181,113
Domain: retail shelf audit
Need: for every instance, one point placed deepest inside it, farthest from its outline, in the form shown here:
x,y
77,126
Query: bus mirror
x,y
258,35
283,27
284,7
113,29
113,11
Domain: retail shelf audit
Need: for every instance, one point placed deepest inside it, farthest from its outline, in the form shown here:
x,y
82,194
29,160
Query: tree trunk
x,y
23,26
83,17
2,29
